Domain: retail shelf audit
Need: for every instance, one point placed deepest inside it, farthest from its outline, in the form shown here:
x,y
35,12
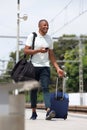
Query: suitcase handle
x,y
63,87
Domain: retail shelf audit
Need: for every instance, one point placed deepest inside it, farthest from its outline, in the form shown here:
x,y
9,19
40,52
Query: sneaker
x,y
50,114
34,116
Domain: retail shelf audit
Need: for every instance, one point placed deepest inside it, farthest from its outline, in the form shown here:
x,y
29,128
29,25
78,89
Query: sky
x,y
64,17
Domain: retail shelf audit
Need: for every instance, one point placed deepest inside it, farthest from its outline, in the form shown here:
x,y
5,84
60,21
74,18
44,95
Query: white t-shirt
x,y
40,59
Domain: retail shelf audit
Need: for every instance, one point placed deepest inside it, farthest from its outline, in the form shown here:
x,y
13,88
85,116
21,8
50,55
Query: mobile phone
x,y
46,48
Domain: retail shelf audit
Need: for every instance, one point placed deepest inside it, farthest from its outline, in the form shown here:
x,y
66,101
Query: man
x,y
42,55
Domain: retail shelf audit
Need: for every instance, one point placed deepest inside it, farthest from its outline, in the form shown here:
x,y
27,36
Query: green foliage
x,y
69,50
72,69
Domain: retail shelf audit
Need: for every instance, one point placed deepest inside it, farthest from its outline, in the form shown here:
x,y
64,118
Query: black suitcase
x,y
60,101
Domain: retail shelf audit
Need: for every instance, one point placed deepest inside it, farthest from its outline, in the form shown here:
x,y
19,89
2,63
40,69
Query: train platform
x,y
74,121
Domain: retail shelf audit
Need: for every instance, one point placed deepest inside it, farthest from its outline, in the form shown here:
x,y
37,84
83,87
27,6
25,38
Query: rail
x,y
75,108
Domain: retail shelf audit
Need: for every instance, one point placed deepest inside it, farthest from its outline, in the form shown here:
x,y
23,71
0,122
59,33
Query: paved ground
x,y
73,122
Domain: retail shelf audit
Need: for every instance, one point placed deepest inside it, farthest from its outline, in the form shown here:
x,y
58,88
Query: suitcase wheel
x,y
65,117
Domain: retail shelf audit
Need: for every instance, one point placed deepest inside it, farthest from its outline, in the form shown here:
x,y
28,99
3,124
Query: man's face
x,y
43,27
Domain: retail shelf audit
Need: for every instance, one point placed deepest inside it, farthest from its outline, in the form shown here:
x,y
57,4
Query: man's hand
x,y
60,72
43,50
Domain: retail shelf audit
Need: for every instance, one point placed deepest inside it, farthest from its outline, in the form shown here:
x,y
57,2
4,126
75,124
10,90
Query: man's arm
x,y
55,64
29,51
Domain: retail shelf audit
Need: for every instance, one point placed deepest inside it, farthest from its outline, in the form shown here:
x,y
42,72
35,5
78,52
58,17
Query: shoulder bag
x,y
23,69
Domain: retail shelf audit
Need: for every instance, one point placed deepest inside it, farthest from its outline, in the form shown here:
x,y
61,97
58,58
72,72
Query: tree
x,y
73,68
68,49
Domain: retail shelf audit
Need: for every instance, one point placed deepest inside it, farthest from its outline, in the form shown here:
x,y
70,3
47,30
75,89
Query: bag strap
x,y
34,36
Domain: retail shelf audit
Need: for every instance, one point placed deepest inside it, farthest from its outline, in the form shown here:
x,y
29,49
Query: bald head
x,y
43,26
41,21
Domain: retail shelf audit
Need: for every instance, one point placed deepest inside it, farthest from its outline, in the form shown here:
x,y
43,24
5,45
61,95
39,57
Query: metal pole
x,y
18,28
80,72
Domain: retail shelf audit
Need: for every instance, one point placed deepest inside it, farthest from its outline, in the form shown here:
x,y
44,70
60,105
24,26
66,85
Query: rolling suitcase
x,y
60,101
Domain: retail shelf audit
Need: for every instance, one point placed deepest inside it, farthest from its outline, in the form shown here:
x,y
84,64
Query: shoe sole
x,y
50,116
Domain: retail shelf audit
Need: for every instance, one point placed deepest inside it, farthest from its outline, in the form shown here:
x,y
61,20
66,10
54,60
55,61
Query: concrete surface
x,y
16,104
73,122
14,120
4,96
